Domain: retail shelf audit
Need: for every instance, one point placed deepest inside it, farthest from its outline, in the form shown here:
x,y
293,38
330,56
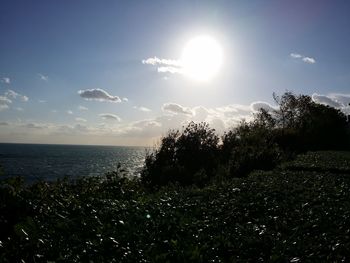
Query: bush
x,y
187,157
250,146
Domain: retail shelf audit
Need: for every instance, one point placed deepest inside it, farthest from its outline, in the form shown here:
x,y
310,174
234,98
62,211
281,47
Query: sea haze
x,y
50,162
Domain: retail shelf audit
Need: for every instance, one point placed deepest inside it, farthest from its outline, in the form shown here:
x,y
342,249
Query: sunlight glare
x,y
202,58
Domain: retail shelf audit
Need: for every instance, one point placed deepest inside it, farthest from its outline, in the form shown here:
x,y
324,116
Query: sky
x,y
113,72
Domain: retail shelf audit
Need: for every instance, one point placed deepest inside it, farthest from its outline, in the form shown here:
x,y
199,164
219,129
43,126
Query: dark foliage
x,y
187,157
282,215
302,124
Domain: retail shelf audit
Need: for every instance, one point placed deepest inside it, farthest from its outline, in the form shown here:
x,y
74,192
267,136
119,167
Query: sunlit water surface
x,y
50,162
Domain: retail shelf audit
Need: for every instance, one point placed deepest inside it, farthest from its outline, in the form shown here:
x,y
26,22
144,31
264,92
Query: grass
x,y
285,215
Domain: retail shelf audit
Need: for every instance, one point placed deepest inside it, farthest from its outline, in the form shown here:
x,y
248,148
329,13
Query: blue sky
x,y
72,71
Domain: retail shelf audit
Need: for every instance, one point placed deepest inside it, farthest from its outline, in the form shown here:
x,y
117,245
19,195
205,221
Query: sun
x,y
201,58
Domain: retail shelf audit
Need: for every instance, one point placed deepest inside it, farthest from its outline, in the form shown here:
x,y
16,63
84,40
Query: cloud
x,y
5,80
69,112
80,119
257,105
82,108
141,108
110,116
125,99
308,60
4,103
98,94
326,100
176,108
3,123
34,126
14,95
335,100
19,109
42,101
43,77
161,61
171,70
165,65
296,55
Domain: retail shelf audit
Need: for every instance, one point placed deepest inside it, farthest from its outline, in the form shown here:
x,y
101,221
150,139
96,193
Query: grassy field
x,y
298,212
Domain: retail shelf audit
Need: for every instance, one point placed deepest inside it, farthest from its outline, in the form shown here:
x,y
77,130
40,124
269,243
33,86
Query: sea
x,y
51,162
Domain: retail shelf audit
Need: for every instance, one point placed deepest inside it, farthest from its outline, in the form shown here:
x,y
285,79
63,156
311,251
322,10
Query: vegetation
x,y
279,216
194,156
201,198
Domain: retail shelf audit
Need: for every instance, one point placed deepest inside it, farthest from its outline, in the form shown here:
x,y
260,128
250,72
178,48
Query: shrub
x,y
250,146
187,157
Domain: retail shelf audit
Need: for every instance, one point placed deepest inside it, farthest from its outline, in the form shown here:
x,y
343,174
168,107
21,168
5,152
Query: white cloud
x,y
110,116
296,55
98,94
330,100
8,97
69,112
168,69
176,108
43,77
305,59
5,100
164,65
42,101
78,119
125,99
14,95
19,109
141,108
309,60
5,80
161,61
257,105
82,108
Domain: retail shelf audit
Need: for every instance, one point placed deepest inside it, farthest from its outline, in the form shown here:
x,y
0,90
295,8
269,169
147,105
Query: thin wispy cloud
x,y
14,95
141,108
308,60
78,119
296,55
69,112
164,65
6,80
161,61
176,108
110,116
8,97
98,94
42,101
82,108
4,103
43,77
125,99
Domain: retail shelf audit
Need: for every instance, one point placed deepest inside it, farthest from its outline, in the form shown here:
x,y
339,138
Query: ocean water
x,y
50,162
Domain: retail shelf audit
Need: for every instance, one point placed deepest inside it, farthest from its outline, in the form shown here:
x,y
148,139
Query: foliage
x,y
250,146
278,216
187,157
302,124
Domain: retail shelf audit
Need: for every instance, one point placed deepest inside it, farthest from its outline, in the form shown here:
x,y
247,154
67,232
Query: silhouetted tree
x,y
187,157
